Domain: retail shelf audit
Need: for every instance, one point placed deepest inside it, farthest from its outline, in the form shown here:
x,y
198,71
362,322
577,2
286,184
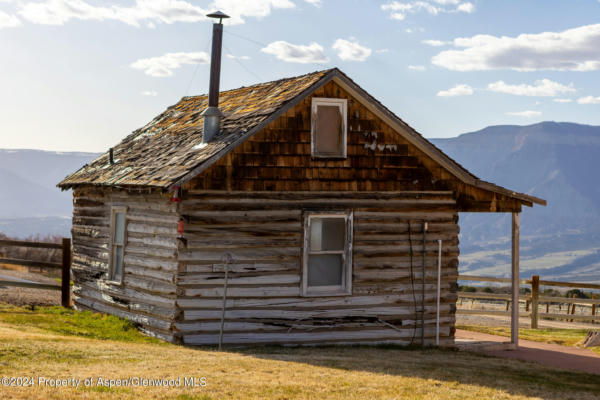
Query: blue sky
x,y
82,74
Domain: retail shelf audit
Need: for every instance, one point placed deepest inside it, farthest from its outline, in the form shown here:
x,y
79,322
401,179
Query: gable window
x,y
328,127
118,236
327,266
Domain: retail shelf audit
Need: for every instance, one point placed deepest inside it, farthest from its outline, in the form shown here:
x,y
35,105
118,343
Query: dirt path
x,y
554,355
524,322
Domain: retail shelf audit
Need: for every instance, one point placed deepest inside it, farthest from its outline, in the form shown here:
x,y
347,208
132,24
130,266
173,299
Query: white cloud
x,y
435,43
316,3
399,10
382,51
59,12
8,21
238,9
457,90
165,64
525,114
313,53
351,50
588,100
408,30
544,87
150,93
416,67
238,57
466,7
570,50
563,100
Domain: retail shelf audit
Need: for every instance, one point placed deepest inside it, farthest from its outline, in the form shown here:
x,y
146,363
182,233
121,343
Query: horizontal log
x,y
334,337
245,267
29,263
100,285
23,243
127,303
145,320
199,197
285,325
269,291
311,303
241,254
150,262
30,285
213,280
376,311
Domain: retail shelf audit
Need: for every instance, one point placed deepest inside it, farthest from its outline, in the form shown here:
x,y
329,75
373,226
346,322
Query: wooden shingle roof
x,y
168,151
167,148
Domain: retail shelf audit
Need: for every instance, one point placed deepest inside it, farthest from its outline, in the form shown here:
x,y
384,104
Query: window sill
x,y
327,293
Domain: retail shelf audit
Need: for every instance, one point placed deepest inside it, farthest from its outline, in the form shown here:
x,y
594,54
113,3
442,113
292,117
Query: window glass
x,y
327,234
118,263
328,135
325,270
119,228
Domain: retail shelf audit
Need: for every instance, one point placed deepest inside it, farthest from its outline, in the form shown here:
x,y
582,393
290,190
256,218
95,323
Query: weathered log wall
x,y
263,232
147,294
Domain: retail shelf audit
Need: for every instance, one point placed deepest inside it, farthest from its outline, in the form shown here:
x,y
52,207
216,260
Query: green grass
x,y
564,337
70,322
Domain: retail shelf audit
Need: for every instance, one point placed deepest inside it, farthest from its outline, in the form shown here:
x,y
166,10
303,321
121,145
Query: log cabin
x,y
305,212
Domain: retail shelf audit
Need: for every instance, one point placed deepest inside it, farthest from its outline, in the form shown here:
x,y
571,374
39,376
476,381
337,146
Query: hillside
x,y
554,161
31,203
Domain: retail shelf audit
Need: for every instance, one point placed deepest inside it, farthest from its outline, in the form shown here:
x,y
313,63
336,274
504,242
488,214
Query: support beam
x,y
514,317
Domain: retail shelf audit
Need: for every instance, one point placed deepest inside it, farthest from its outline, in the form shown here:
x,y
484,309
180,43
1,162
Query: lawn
x,y
565,337
51,343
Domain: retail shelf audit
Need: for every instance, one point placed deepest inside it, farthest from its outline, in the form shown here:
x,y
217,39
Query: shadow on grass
x,y
507,375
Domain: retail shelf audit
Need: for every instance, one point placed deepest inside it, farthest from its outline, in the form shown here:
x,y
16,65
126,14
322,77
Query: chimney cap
x,y
218,14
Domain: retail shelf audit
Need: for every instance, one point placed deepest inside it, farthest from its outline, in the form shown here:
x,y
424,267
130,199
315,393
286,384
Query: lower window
x,y
327,254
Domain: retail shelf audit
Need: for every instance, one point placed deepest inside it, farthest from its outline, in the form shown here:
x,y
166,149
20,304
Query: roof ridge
x,y
323,71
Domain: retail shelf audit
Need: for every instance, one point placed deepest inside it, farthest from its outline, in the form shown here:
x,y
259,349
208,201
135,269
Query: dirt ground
x,y
525,322
25,296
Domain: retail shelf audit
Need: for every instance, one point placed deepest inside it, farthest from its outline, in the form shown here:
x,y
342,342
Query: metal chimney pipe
x,y
212,114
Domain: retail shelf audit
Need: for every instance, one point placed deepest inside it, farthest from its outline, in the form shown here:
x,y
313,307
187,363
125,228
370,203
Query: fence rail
x,y
534,299
65,266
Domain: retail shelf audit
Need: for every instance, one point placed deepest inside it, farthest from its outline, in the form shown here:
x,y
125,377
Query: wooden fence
x,y
64,266
534,299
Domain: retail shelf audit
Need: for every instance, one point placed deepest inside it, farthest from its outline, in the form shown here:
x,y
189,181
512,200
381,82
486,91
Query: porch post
x,y
514,317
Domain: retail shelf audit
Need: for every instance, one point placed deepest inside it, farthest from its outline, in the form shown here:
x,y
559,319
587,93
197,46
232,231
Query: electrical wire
x,y
243,66
247,39
205,48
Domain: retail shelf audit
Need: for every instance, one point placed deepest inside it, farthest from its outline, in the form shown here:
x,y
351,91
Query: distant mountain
x,y
559,162
30,202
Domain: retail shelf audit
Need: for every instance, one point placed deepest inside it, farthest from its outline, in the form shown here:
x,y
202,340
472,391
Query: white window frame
x,y
113,226
325,101
345,288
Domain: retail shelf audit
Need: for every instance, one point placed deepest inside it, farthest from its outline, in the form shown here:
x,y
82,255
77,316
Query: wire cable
x,y
247,39
243,66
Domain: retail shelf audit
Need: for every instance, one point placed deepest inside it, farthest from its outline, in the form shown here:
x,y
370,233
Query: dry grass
x,y
273,372
564,337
